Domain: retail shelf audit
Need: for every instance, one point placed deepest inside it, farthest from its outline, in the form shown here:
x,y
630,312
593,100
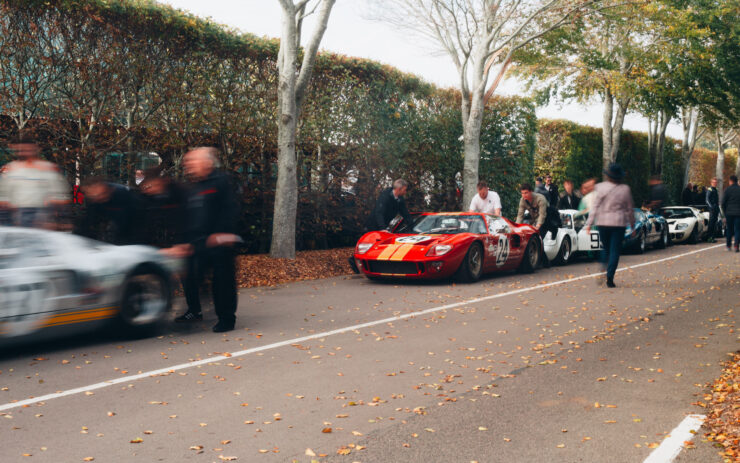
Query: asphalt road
x,y
489,372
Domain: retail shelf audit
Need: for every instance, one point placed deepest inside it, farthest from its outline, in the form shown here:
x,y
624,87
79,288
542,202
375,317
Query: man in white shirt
x,y
487,202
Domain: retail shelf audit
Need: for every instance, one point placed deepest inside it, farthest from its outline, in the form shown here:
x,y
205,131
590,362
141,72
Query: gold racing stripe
x,y
81,316
402,251
388,252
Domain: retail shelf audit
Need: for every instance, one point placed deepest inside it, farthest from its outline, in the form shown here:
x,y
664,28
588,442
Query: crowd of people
x,y
196,220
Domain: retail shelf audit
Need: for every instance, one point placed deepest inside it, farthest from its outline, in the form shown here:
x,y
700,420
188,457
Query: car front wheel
x,y
471,267
145,302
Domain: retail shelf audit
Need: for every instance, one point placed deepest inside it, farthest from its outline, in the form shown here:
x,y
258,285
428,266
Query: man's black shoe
x,y
188,317
222,327
610,283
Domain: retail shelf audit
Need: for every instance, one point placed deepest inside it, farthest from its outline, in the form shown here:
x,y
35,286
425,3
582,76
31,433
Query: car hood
x,y
386,245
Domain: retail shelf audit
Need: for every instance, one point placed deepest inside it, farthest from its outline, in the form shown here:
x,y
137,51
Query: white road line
x,y
673,444
241,353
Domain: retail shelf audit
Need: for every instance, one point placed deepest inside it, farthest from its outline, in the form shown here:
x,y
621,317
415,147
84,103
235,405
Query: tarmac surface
x,y
548,367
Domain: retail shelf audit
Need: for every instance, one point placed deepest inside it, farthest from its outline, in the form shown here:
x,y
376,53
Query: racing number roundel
x,y
502,250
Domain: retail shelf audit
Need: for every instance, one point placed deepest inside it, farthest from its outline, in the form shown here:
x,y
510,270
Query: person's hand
x,y
222,239
587,229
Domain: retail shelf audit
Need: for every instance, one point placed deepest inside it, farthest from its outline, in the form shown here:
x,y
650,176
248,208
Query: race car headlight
x,y
362,248
439,250
682,226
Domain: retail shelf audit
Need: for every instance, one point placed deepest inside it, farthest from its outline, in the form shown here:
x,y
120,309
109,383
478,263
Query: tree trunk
x,y
653,143
286,193
616,130
606,128
720,169
471,160
737,165
690,123
665,120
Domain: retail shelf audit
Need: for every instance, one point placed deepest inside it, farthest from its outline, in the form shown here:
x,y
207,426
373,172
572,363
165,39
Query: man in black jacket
x,y
569,200
687,195
731,206
210,225
390,203
712,200
112,212
553,196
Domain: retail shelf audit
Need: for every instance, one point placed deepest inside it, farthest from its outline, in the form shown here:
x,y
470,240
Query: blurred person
x,y
612,211
139,177
210,225
687,195
696,196
553,196
569,200
731,207
539,187
542,215
163,206
587,196
31,189
658,194
711,199
111,213
486,201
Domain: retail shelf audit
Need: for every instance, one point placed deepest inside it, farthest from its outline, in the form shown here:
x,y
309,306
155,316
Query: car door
x,y
587,241
503,249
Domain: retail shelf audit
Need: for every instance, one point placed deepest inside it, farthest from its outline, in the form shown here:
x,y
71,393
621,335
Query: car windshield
x,y
447,224
678,213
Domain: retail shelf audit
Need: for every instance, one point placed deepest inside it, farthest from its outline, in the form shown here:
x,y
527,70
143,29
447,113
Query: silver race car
x,y
55,284
685,223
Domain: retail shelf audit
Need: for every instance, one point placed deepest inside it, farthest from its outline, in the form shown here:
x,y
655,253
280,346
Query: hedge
x,y
199,83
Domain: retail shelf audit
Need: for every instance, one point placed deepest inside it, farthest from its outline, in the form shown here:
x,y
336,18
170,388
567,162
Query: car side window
x,y
497,225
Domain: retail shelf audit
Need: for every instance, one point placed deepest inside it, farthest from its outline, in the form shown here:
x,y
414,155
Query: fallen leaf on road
x,y
326,430
137,440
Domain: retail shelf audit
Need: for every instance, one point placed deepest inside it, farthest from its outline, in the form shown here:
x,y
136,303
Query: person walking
x,y
31,189
587,196
486,201
537,206
211,211
553,196
569,200
612,210
658,194
712,201
731,207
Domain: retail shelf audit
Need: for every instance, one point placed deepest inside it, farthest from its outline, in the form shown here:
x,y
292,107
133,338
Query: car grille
x,y
393,267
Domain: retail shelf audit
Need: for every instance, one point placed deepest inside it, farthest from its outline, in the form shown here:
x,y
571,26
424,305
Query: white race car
x,y
719,227
55,284
686,224
571,238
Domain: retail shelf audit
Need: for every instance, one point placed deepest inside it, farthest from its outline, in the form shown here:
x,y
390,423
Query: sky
x,y
351,32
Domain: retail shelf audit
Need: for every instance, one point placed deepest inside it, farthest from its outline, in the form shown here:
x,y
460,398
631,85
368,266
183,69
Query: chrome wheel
x,y
475,260
533,256
566,250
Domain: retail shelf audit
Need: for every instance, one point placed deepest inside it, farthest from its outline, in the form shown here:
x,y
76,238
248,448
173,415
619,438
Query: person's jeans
x,y
733,228
611,238
221,260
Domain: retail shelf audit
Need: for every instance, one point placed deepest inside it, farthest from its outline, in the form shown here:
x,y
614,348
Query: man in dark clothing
x,y
539,188
210,224
687,195
112,212
712,201
390,203
658,194
553,196
569,200
731,207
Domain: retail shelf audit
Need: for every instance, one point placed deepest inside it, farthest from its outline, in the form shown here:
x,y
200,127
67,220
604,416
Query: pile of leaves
x,y
262,270
723,417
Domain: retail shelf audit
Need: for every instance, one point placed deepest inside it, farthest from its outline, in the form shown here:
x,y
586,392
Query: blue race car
x,y
651,230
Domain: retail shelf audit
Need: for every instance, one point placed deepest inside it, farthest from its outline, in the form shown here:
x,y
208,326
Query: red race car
x,y
441,245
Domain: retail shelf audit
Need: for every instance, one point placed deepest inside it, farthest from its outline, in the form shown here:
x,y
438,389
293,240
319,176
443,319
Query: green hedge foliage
x,y
568,150
198,83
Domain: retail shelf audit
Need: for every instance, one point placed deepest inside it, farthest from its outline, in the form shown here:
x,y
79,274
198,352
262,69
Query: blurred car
x,y
650,230
571,239
719,230
685,223
55,284
441,245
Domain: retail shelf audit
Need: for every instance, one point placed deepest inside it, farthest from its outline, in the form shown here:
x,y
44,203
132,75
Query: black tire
x,y
565,252
471,268
641,243
694,236
145,302
531,257
663,241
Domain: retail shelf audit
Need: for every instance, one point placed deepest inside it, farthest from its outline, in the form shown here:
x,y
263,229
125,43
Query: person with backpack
x,y
612,211
545,218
